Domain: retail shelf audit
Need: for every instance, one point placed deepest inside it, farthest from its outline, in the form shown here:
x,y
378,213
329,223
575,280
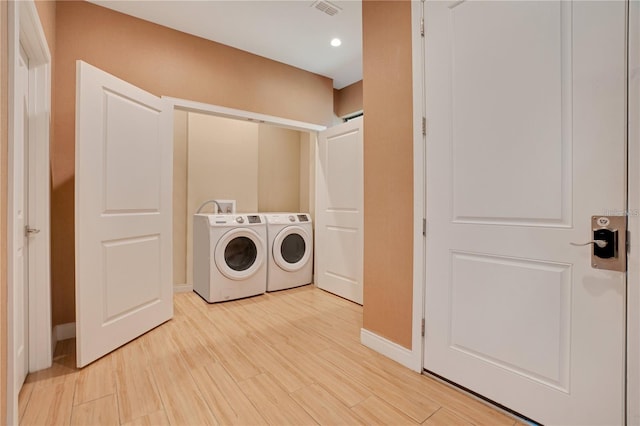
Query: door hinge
x,y
424,227
30,231
422,27
424,126
422,329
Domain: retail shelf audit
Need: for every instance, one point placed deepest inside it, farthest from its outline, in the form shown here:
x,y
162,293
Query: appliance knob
x,y
292,218
239,219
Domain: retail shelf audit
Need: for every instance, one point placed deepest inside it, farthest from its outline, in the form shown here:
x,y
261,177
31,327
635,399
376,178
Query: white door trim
x,y
199,107
633,277
35,45
25,28
419,204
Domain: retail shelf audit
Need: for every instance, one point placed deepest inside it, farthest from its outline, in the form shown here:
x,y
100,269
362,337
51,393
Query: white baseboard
x,y
54,342
392,350
182,288
65,331
62,332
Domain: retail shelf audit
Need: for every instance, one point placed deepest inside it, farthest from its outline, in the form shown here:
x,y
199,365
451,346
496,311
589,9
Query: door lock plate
x,y
613,230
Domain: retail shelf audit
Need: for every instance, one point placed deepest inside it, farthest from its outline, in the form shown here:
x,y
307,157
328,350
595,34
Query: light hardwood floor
x,y
291,357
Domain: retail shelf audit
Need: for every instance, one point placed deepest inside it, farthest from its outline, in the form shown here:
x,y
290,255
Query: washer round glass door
x,y
292,248
239,254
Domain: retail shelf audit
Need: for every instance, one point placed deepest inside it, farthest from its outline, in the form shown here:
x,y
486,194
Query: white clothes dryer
x,y
290,242
229,256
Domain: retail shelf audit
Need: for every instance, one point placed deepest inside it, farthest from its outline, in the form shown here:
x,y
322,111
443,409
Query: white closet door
x,y
122,212
339,211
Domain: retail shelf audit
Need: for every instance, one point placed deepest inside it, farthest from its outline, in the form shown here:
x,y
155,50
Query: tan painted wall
x,y
308,173
278,169
223,164
4,104
348,100
180,159
47,13
164,62
388,169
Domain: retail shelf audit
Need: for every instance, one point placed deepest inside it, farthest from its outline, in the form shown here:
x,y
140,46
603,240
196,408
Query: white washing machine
x,y
290,245
229,256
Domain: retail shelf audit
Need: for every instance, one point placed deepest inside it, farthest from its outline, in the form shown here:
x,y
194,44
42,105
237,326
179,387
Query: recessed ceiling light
x,y
336,42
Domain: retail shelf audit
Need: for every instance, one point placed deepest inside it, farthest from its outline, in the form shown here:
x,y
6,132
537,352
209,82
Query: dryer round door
x,y
239,254
292,248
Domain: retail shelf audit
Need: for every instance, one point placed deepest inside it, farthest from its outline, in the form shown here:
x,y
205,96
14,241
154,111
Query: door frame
x,y
633,203
26,29
238,114
633,188
420,225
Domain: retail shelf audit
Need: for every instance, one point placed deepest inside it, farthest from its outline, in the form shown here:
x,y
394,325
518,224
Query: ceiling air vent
x,y
326,7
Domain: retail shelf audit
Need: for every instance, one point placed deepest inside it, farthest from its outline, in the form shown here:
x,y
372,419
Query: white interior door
x,y
526,141
123,212
339,211
20,241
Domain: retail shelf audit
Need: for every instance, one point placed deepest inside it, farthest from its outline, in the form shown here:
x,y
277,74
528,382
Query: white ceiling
x,y
294,31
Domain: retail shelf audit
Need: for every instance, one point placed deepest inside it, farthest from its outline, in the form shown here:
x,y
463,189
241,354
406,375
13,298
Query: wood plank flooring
x,y
291,357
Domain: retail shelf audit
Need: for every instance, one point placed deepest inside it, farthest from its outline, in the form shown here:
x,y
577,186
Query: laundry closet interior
x,y
263,167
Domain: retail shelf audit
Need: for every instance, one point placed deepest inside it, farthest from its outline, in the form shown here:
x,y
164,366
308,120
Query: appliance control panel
x,y
230,219
254,219
288,218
